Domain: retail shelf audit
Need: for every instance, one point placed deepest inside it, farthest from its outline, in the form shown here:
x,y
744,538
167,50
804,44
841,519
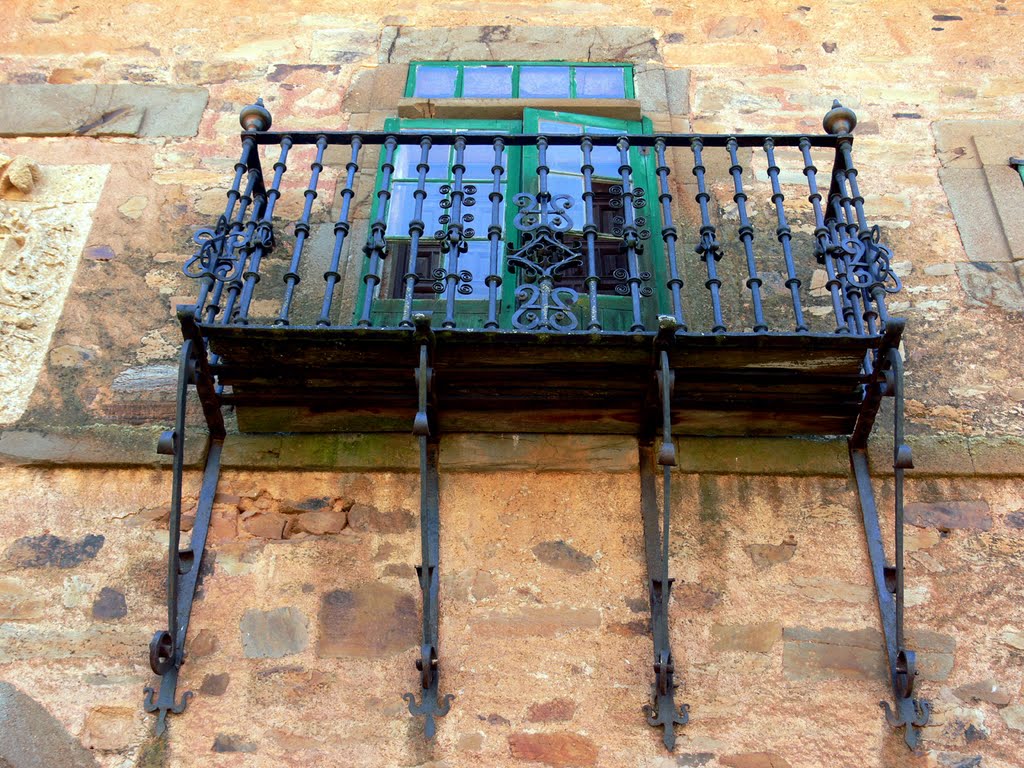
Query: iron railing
x,y
563,260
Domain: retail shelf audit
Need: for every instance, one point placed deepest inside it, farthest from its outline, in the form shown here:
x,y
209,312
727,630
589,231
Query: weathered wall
x,y
302,645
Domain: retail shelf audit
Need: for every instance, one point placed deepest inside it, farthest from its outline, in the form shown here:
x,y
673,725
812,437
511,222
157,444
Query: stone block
x,y
767,555
273,634
19,602
556,710
560,750
345,45
754,760
374,88
365,518
123,109
947,515
750,638
49,551
563,556
110,604
111,729
537,621
984,690
370,621
30,737
1014,717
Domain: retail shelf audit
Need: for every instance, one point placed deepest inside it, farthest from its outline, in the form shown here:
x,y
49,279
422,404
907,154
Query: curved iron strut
x,y
167,649
909,713
430,706
662,710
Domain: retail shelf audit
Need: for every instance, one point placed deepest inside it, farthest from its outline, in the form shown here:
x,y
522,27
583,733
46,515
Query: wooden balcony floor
x,y
292,379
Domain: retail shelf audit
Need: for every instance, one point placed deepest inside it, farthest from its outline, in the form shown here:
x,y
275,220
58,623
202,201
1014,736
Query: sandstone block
x,y
18,602
754,760
1014,717
273,634
226,742
268,525
124,109
110,604
365,518
538,621
215,685
110,729
752,638
30,737
561,750
48,551
319,523
984,690
369,621
563,556
767,555
556,710
947,515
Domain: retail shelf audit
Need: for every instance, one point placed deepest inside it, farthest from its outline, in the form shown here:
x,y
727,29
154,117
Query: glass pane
x,y
573,187
600,83
604,159
544,82
487,81
479,159
477,261
403,205
568,159
435,82
408,157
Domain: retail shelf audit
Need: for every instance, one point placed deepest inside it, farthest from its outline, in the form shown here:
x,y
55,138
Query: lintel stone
x,y
82,109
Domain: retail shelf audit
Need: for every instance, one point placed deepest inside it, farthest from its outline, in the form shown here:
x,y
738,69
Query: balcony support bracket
x,y
910,713
430,705
184,566
662,710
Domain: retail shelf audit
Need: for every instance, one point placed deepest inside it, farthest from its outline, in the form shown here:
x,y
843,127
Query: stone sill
x,y
512,109
116,446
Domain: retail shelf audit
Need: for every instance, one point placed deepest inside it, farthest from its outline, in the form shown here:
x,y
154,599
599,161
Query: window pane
x,y
403,205
487,81
435,82
544,82
573,187
408,157
477,261
600,83
479,159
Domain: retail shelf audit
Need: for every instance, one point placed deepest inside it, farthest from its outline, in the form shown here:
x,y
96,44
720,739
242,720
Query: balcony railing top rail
x,y
592,242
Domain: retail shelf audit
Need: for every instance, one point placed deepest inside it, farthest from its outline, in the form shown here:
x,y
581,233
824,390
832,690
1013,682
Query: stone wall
x,y
118,133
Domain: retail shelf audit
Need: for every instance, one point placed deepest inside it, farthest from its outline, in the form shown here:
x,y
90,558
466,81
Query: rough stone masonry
x,y
118,133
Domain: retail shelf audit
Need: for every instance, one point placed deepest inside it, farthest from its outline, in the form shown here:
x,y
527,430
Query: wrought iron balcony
x,y
543,304
556,281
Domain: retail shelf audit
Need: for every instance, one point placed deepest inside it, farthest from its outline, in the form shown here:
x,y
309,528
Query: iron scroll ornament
x,y
542,218
221,247
868,262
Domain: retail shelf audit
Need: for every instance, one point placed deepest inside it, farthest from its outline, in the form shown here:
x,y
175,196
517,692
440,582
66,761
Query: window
x,y
423,260
519,80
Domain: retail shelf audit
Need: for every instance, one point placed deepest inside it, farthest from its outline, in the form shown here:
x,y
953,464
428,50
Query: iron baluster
x,y
237,223
631,236
590,231
429,705
376,246
264,236
416,227
494,232
821,236
453,244
708,249
246,229
909,713
341,230
669,233
166,650
784,234
746,235
291,277
662,710
220,238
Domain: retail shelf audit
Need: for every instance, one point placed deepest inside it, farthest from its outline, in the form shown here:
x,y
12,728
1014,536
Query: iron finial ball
x,y
839,119
255,117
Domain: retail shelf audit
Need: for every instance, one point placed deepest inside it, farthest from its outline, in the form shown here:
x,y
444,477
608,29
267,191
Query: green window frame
x,y
517,67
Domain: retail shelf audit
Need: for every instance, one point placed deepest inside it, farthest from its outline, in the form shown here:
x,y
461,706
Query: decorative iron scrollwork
x,y
868,263
542,257
220,246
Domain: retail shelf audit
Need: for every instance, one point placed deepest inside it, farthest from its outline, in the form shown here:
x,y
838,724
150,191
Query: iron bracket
x,y
662,710
909,712
167,648
430,705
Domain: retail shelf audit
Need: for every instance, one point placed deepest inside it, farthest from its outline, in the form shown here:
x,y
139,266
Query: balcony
x,y
546,271
572,279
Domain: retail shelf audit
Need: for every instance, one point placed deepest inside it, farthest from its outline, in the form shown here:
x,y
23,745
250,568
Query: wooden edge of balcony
x,y
348,379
